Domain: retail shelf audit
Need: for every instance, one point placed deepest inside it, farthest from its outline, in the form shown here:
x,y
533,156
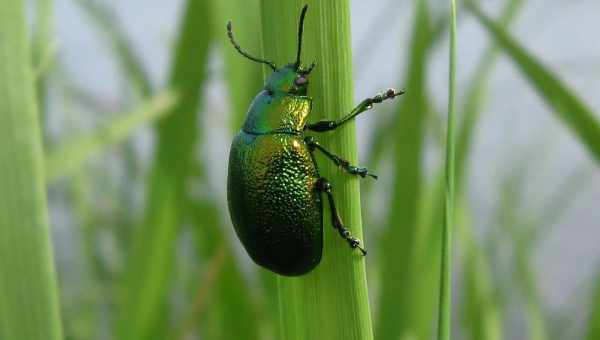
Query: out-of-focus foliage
x,y
157,258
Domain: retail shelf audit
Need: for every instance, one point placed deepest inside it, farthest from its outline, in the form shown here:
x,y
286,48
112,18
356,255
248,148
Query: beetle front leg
x,y
367,104
344,164
324,186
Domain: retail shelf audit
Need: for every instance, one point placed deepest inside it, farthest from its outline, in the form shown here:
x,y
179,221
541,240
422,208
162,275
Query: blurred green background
x,y
138,102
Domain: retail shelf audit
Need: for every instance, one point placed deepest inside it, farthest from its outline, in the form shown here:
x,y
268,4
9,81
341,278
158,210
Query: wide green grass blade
x,y
330,302
445,306
408,265
571,110
143,313
29,307
71,156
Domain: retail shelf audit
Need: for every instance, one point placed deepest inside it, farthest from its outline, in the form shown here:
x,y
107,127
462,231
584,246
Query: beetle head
x,y
291,78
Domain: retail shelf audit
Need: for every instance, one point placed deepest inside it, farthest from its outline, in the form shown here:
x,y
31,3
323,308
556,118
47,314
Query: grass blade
x,y
70,157
143,310
29,306
445,307
331,302
570,109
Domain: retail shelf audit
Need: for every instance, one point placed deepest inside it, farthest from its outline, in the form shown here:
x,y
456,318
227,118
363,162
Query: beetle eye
x,y
301,81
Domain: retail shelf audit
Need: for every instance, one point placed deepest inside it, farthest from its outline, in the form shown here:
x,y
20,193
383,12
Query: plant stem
x,y
445,316
330,302
29,305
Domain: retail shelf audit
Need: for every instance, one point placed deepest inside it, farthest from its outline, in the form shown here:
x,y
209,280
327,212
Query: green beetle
x,y
273,185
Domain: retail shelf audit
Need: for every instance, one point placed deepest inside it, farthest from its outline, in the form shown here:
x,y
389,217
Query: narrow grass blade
x,y
29,306
42,47
445,306
130,63
573,112
143,312
71,156
330,302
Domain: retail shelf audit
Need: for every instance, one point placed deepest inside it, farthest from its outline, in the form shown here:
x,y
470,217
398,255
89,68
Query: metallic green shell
x,y
271,188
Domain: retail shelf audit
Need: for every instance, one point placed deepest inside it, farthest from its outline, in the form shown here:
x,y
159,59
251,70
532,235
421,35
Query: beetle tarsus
x,y
324,186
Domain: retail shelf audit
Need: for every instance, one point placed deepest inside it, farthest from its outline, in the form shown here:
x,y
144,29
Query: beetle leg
x,y
344,164
367,104
324,186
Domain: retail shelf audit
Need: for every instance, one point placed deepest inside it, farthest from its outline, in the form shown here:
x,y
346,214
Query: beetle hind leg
x,y
324,186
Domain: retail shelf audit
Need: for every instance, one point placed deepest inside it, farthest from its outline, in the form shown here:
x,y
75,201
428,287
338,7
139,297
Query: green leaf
x,y
331,301
571,110
70,157
445,306
29,306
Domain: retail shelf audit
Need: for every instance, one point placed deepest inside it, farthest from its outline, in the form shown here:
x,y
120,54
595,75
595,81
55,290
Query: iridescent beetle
x,y
273,186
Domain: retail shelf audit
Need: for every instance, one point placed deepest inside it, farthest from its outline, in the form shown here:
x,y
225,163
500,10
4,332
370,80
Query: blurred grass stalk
x,y
144,308
331,302
445,305
409,247
29,305
480,313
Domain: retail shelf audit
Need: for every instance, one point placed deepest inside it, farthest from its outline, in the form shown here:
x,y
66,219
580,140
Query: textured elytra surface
x,y
274,205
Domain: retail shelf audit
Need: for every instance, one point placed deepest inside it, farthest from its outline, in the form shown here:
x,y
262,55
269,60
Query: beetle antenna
x,y
246,54
300,31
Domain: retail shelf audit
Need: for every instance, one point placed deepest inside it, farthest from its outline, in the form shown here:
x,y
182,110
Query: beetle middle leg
x,y
344,164
367,104
324,186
